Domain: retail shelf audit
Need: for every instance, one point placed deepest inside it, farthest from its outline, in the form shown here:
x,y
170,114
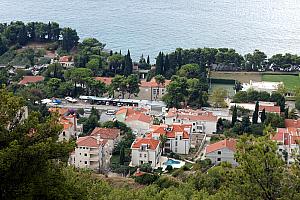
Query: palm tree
x,y
163,139
160,80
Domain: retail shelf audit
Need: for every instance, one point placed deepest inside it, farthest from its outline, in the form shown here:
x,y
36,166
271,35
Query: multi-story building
x,y
202,122
112,135
178,137
145,150
92,153
221,151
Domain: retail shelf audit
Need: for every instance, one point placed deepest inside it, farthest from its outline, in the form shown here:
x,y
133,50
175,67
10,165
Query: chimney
x,y
98,139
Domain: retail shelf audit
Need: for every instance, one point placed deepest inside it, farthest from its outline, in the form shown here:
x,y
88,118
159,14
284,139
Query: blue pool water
x,y
171,162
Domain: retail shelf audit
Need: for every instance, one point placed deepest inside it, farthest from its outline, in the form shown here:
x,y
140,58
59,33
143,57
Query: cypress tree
x,y
286,113
159,64
148,60
255,113
128,68
166,64
179,59
122,156
49,32
110,53
234,116
263,116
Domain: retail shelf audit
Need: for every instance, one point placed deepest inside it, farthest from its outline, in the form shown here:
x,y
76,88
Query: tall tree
x,y
128,68
160,81
263,116
70,38
122,155
234,116
255,113
148,60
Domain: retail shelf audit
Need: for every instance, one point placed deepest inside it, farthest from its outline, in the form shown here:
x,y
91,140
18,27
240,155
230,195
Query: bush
x,y
166,182
169,168
297,103
146,179
146,167
174,155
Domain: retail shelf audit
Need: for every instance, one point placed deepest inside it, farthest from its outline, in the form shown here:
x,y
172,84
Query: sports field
x,y
289,81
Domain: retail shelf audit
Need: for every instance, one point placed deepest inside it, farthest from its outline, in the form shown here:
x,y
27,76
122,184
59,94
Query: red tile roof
x,y
193,115
139,117
31,79
171,131
106,80
134,114
152,144
228,143
60,111
292,123
287,136
272,109
90,141
106,133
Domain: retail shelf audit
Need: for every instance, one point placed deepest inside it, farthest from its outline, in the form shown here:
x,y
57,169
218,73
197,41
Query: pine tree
x,y
234,116
179,59
255,113
148,60
263,116
110,53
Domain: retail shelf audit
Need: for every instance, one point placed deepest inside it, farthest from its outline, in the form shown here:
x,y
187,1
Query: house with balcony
x,y
202,122
178,137
222,151
91,153
145,150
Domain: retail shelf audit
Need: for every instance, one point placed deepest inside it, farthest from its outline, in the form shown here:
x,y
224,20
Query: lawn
x,y
290,81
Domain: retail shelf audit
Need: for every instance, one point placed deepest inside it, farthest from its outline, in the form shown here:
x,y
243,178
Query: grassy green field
x,y
289,81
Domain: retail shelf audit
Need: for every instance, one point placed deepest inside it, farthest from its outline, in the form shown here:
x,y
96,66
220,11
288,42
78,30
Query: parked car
x,y
70,99
110,112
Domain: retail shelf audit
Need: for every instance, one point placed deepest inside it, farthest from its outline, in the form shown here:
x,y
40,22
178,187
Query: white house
x,y
202,122
135,118
262,86
178,137
221,151
92,153
145,150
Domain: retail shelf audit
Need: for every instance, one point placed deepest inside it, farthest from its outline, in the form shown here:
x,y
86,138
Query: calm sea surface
x,y
150,26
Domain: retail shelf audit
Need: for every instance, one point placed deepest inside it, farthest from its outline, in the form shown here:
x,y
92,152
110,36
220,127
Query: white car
x,y
70,99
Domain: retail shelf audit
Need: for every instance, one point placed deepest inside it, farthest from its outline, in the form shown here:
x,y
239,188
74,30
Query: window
x,y
176,150
194,130
64,133
150,162
176,143
140,155
218,159
145,155
174,120
85,162
180,137
194,124
79,153
219,152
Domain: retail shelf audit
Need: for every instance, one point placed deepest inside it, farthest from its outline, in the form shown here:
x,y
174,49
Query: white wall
x,y
149,155
226,155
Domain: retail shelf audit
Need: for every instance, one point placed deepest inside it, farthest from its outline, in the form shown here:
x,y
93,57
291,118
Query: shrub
x,y
166,182
169,168
146,179
146,167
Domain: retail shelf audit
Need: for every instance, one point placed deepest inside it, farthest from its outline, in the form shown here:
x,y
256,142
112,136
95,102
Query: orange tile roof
x,y
287,136
90,141
153,83
292,123
31,79
153,144
65,59
193,115
60,111
139,117
106,133
106,80
272,109
135,114
227,143
173,129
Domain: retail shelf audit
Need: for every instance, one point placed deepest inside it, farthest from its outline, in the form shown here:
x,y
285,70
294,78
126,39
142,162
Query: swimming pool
x,y
171,162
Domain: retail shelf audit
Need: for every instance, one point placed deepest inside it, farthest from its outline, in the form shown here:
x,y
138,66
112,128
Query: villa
x,y
112,135
145,150
31,79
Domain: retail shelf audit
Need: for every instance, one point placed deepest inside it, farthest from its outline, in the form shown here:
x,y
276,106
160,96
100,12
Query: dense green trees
x,y
123,85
